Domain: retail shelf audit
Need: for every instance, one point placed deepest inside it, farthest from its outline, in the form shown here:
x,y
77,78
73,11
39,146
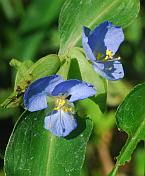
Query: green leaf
x,y
130,118
103,122
78,13
45,66
82,69
40,14
32,150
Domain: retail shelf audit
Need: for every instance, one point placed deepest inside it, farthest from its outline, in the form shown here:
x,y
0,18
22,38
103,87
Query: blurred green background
x,y
29,30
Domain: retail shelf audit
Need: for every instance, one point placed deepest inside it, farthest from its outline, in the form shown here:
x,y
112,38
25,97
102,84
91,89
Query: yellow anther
x,y
67,109
109,55
59,103
62,103
56,108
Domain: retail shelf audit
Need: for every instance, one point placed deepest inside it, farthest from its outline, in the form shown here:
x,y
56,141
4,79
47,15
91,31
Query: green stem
x,y
114,171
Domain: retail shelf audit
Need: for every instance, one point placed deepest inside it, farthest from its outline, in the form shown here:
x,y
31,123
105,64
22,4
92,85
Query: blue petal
x,y
104,37
96,38
114,37
35,97
75,89
111,70
86,46
60,123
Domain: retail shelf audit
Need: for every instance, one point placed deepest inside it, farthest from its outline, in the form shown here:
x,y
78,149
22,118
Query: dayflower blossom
x,y
100,46
61,120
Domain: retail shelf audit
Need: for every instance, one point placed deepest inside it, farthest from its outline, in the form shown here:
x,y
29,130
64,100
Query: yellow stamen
x,y
59,103
62,103
56,108
67,109
109,55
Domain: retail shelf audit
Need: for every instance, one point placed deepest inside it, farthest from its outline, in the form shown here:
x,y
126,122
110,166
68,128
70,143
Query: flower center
x,y
109,55
62,103
59,103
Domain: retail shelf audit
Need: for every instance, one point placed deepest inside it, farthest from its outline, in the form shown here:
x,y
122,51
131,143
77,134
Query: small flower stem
x,y
114,171
103,151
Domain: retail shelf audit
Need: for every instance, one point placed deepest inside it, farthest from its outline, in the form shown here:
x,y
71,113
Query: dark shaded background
x,y
29,31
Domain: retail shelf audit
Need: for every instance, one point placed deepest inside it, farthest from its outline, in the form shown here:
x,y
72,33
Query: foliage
x,y
130,118
31,33
33,150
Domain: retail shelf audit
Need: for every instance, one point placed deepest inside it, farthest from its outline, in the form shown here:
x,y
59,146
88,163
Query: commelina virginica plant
x,y
64,94
100,47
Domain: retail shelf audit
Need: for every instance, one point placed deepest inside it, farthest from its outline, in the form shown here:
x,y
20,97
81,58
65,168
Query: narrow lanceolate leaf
x,y
32,150
130,118
78,13
28,72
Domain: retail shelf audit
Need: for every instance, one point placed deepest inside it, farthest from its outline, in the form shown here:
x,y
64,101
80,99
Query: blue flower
x,y
61,120
100,46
